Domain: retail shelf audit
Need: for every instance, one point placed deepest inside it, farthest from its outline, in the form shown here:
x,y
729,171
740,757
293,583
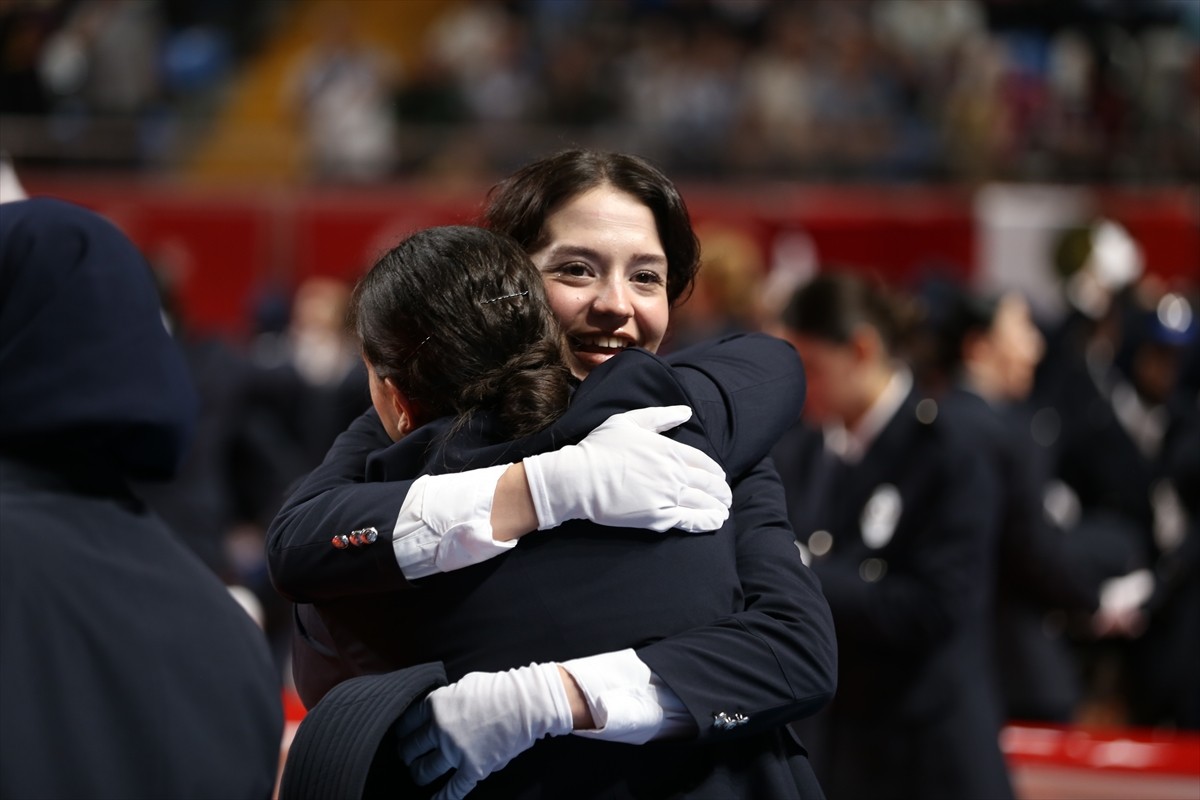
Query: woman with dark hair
x,y
894,513
521,203
639,623
506,356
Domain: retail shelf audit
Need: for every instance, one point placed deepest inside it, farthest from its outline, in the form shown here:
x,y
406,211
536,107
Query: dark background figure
x,y
198,504
1141,467
893,512
128,669
302,384
986,350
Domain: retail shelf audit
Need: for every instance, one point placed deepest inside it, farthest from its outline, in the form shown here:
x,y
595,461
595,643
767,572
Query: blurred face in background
x,y
1156,371
1015,346
605,273
831,370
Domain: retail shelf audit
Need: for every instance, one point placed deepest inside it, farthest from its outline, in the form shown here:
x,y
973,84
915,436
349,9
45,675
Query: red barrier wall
x,y
230,245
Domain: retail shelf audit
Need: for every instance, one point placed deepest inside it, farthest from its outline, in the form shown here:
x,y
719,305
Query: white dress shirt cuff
x,y
629,703
446,523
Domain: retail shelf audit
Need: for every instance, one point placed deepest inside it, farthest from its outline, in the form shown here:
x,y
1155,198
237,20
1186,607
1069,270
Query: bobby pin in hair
x,y
504,297
413,352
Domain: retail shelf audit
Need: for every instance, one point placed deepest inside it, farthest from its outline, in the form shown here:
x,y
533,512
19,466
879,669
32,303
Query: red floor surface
x,y
1061,763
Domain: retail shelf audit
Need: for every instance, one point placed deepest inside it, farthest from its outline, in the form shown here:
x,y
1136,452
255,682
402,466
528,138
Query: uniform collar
x,y
851,445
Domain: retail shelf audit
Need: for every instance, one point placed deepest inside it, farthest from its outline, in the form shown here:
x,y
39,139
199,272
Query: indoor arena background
x,y
262,152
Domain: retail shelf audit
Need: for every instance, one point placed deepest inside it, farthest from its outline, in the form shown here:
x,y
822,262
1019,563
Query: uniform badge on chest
x,y
880,516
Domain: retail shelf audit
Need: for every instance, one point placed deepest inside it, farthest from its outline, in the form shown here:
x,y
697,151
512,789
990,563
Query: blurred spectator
x,y
1108,397
777,112
198,504
890,89
106,56
102,65
726,294
340,92
856,111
25,28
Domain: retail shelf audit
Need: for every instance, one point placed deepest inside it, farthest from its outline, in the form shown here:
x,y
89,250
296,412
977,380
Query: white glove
x,y
626,475
480,723
1121,601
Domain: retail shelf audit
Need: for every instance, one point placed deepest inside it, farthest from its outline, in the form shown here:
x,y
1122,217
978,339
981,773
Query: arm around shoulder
x,y
335,500
747,390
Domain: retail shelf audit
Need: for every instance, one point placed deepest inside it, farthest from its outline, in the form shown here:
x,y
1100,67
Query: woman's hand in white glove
x,y
477,725
625,474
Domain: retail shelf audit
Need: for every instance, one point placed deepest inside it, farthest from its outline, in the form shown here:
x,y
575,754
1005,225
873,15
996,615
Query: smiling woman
x,y
613,240
606,275
715,641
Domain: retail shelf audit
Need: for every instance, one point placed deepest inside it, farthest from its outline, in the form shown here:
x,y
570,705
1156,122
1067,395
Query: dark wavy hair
x,y
520,204
833,304
457,318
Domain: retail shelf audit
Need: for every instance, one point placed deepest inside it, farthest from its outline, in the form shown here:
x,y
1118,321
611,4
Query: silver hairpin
x,y
420,344
505,297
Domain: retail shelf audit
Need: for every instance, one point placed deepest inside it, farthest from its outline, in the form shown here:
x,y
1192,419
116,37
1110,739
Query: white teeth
x,y
611,342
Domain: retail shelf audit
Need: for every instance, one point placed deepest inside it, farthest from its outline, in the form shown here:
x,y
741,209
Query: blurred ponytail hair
x,y
834,304
457,318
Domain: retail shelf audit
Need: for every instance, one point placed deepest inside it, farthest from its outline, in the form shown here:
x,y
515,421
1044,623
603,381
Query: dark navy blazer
x,y
904,545
731,620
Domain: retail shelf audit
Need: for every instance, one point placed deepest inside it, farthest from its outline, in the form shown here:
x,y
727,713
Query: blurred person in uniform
x,y
892,511
988,349
1169,654
1096,263
126,667
1105,397
303,387
1130,458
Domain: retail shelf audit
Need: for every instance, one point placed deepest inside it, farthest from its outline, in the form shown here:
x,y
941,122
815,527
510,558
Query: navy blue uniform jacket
x,y
904,547
1038,572
731,620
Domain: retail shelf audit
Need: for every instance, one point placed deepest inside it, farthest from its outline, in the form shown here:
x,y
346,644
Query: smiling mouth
x,y
604,345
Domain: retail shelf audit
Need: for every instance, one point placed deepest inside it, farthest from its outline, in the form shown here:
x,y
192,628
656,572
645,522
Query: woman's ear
x,y
405,409
867,345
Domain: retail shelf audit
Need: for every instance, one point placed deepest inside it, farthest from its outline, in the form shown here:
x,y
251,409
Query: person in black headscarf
x,y
126,668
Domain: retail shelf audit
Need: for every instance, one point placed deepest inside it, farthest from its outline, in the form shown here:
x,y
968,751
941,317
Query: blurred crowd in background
x,y
876,90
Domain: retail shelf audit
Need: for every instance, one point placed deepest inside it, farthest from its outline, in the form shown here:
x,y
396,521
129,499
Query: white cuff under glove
x,y
629,703
478,724
625,474
445,523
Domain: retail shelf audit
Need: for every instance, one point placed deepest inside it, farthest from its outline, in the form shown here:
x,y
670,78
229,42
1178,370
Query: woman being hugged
x,y
701,645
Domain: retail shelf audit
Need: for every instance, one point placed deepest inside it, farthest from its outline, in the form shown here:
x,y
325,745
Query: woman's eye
x,y
575,268
647,277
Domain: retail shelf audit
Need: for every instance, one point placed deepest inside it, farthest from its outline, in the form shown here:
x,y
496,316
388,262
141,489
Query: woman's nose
x,y
613,298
